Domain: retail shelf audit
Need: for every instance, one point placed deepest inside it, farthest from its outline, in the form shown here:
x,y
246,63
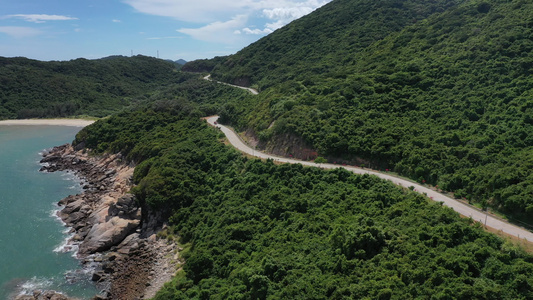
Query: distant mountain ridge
x,y
179,62
32,89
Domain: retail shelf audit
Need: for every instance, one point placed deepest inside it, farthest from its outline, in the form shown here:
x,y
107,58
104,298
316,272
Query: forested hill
x,y
324,42
439,91
34,89
443,100
253,229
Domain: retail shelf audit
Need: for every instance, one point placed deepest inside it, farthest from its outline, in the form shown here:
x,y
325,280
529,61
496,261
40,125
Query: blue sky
x,y
186,29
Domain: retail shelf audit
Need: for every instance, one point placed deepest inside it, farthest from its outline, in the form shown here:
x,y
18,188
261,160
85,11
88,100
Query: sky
x,y
170,29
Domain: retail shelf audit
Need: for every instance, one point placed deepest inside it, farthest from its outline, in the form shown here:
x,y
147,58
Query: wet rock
x,y
59,297
77,238
44,295
97,276
73,206
73,218
51,158
112,256
67,200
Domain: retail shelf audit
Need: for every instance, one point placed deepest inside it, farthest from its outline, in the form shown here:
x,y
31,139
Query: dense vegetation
x,y
256,230
194,98
324,42
439,91
436,90
35,89
203,65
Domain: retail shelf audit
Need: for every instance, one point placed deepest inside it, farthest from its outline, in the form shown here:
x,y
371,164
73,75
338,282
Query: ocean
x,y
31,237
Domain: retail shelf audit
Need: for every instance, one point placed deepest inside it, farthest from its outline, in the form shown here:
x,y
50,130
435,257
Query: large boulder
x,y
103,236
125,207
73,206
74,219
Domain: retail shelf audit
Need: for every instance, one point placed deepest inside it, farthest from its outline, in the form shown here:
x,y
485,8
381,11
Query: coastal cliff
x,y
127,260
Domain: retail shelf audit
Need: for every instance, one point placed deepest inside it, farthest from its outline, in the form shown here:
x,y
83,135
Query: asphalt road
x,y
253,91
459,207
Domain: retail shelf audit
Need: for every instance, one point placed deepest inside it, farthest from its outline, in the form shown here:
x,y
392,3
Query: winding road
x,y
459,207
253,91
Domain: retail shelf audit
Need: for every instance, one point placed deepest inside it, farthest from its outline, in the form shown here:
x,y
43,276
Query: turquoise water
x,y
29,232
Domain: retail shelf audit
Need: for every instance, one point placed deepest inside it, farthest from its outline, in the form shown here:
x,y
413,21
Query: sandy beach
x,y
43,122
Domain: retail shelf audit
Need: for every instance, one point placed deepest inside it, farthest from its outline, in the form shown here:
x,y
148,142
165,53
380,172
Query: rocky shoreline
x,y
105,222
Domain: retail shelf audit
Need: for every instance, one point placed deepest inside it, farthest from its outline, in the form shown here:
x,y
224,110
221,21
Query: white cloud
x,y
199,11
206,11
221,32
165,38
116,21
256,31
243,15
286,14
276,25
40,18
19,32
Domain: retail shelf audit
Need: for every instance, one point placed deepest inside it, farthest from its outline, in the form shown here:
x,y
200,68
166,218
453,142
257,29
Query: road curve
x,y
253,91
459,207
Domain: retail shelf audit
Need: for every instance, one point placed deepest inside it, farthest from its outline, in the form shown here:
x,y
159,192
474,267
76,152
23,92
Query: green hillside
x,y
35,89
252,229
439,94
324,42
439,91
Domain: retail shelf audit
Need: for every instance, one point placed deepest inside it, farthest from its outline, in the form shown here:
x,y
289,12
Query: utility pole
x,y
157,53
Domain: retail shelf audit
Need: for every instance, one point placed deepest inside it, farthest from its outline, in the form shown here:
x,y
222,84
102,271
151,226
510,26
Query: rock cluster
x,y
136,266
104,215
44,295
105,222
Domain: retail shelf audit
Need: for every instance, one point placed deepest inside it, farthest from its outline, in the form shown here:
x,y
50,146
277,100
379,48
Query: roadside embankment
x,y
463,209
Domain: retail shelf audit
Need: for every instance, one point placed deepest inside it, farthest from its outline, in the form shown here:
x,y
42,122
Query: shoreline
x,y
48,122
125,258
